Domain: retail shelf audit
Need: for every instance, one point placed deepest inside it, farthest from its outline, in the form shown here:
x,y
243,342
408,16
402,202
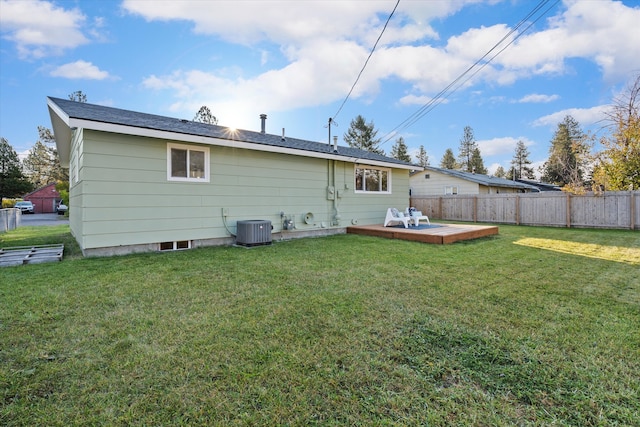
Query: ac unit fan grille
x,y
253,232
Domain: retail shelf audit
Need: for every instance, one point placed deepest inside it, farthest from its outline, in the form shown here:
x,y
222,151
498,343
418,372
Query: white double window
x,y
187,163
372,180
451,190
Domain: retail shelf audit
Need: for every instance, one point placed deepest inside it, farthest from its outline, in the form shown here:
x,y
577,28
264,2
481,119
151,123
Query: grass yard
x,y
535,326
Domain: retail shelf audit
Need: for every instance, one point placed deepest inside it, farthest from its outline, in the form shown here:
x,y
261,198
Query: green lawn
x,y
535,326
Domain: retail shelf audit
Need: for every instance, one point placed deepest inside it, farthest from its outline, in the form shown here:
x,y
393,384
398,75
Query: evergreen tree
x,y
566,165
204,116
618,165
362,135
42,165
12,181
466,150
78,96
449,160
399,151
422,157
499,173
520,163
477,164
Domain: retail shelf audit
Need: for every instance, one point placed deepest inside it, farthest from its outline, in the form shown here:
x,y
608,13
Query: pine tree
x,y
568,153
12,181
465,150
362,135
399,151
42,165
78,96
477,164
204,116
520,163
422,157
499,173
449,160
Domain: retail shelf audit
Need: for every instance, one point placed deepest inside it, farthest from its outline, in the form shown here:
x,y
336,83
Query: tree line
x,y
571,164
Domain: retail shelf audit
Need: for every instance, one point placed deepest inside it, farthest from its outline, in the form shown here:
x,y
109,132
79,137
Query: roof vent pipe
x,y
283,134
335,143
263,119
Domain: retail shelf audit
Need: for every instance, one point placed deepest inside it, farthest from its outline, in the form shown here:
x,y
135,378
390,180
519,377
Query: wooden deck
x,y
444,234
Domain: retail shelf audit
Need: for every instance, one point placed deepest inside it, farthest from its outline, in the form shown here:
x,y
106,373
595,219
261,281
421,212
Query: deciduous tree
x,y
618,165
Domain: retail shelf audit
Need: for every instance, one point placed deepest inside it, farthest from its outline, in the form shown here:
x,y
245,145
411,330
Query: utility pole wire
x,y
367,61
439,98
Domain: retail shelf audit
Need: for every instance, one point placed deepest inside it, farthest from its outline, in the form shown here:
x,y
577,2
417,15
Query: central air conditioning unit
x,y
253,232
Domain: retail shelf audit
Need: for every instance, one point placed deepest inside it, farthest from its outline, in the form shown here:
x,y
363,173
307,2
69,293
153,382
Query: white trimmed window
x,y
372,180
187,163
451,190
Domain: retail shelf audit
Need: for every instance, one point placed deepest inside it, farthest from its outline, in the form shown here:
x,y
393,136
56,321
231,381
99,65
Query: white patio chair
x,y
394,215
416,216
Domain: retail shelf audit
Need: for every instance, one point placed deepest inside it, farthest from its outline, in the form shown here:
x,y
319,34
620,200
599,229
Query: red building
x,y
44,199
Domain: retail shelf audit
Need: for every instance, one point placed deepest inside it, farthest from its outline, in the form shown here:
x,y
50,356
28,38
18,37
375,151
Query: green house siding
x,y
122,196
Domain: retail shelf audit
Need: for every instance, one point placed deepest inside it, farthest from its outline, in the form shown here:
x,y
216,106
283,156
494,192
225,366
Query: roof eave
x,y
61,132
222,142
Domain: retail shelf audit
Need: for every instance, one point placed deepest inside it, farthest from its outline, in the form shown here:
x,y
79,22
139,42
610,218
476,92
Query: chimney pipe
x,y
335,144
263,119
283,134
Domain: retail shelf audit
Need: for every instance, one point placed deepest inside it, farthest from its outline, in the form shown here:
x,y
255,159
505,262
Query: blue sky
x,y
297,60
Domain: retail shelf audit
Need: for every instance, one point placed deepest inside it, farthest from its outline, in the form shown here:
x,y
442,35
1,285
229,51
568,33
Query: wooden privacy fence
x,y
620,209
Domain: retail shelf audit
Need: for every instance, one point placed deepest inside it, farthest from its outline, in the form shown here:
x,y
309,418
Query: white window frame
x,y
451,190
189,149
371,168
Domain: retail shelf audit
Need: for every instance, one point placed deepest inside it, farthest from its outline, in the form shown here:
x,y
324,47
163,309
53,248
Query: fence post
x,y
568,210
517,209
633,210
475,208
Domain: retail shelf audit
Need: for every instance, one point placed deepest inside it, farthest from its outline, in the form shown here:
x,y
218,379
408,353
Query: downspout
x,y
337,216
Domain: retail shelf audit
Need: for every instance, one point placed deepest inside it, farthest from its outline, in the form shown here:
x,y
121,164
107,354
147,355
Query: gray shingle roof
x,y
102,114
487,180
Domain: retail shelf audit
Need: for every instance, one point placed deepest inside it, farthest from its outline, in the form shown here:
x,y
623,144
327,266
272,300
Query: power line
x,y
366,62
458,82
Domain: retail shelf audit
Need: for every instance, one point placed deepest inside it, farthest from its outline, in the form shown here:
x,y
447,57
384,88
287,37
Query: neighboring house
x,y
45,199
542,186
437,181
142,182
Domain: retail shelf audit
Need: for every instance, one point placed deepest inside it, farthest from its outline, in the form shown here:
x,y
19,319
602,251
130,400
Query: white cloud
x,y
601,31
40,28
296,23
503,145
79,70
584,116
326,44
538,98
